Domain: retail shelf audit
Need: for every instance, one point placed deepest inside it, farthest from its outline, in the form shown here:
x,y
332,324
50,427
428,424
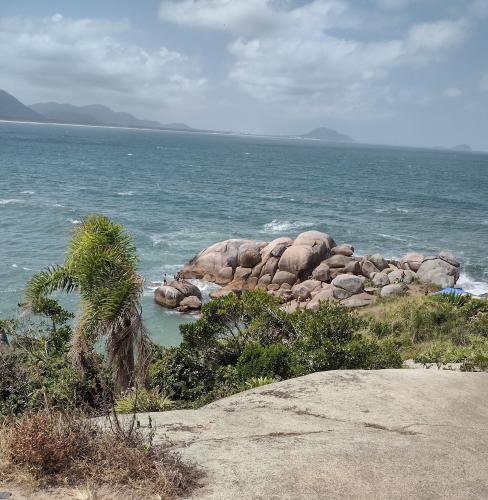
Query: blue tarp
x,y
449,291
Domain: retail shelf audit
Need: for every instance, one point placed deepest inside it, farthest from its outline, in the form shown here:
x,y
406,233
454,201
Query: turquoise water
x,y
179,192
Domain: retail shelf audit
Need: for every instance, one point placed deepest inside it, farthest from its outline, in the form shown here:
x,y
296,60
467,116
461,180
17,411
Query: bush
x,y
240,339
142,400
37,371
273,361
61,449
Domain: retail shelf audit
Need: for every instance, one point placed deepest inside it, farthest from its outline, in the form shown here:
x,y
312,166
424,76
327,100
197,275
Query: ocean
x,y
179,192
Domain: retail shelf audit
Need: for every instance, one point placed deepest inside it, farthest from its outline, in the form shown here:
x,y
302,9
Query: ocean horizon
x,y
177,193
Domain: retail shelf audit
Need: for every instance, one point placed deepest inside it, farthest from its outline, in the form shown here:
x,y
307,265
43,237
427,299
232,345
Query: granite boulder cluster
x,y
304,271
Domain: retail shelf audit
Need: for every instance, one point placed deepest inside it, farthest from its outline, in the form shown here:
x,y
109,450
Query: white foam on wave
x,y
8,201
402,210
15,266
27,192
391,237
126,193
130,154
472,286
74,221
277,226
205,288
156,239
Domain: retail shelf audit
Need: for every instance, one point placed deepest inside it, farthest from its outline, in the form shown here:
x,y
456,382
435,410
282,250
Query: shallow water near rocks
x,y
179,192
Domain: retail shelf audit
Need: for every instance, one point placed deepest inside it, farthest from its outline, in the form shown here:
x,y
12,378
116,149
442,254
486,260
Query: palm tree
x,y
100,264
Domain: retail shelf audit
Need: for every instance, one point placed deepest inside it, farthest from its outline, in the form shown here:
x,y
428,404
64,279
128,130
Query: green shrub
x,y
259,382
142,400
273,361
240,339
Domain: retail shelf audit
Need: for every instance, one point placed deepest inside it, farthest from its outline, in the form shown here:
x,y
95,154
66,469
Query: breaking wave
x,y
277,226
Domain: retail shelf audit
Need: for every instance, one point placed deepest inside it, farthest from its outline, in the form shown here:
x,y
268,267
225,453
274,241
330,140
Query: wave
x,y
8,201
74,221
27,192
126,193
472,286
276,226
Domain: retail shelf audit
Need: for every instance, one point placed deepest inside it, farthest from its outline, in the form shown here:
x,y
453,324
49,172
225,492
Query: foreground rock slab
x,y
389,434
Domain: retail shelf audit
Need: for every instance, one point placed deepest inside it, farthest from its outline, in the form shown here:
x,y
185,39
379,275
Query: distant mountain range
x,y
99,115
327,134
94,114
462,147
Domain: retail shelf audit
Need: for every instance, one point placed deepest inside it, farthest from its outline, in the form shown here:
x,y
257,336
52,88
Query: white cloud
x,y
66,58
452,92
284,51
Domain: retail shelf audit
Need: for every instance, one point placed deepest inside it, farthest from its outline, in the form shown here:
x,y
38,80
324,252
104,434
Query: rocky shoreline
x,y
303,272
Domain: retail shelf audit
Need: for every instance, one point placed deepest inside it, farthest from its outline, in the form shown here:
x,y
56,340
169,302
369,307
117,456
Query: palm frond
x,y
51,279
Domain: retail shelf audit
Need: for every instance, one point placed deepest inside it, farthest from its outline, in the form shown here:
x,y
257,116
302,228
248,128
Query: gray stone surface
x,y
393,289
388,434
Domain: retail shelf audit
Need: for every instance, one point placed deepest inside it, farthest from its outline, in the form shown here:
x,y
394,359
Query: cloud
x,y
69,58
452,92
296,52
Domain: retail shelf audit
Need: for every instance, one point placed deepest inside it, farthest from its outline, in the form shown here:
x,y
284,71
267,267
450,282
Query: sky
x,y
405,72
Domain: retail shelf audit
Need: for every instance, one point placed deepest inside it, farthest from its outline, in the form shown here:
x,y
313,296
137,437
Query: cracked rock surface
x,y
350,434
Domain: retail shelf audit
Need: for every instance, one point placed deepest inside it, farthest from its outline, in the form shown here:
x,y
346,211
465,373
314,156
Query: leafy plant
x,y
142,400
259,382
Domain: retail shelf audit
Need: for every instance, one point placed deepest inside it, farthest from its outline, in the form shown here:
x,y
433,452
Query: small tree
x,y
100,265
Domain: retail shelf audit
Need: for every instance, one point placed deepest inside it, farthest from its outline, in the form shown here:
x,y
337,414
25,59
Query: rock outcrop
x,y
305,271
352,434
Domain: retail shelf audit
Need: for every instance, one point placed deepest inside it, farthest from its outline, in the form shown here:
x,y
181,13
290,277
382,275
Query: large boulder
x,y
343,249
439,272
321,272
321,242
271,266
242,273
186,288
276,247
324,295
348,282
282,277
379,261
191,303
338,261
298,260
168,296
412,261
214,258
304,290
368,268
380,279
249,254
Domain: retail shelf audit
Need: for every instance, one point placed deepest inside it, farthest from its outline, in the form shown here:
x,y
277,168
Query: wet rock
x,y
191,303
168,296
